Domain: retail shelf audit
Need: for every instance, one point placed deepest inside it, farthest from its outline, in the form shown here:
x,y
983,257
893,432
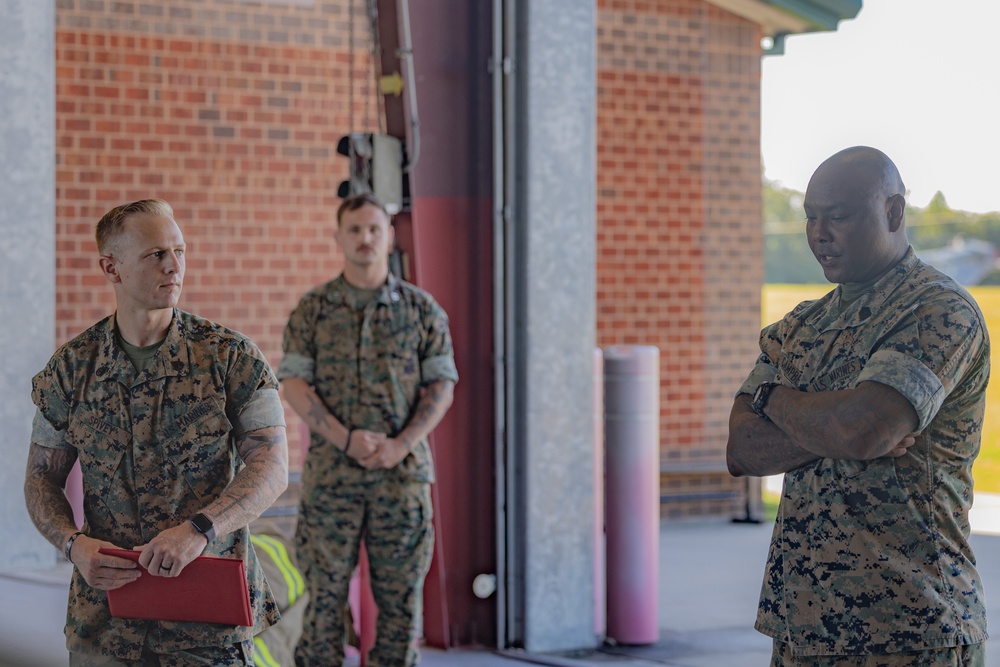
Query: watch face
x,y
202,523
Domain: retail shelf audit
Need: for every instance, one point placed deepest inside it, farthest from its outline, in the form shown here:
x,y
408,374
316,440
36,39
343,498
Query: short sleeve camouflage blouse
x,y
155,447
872,557
367,360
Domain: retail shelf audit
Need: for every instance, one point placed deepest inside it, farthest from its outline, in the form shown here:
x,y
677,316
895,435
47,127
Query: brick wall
x,y
229,110
679,222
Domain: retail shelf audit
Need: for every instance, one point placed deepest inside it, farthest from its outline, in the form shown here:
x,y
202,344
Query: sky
x,y
918,79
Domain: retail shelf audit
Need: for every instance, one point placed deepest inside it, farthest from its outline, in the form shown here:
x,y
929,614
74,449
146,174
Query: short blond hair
x,y
110,227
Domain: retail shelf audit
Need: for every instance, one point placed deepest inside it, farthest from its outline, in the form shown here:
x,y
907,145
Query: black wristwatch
x,y
204,526
759,400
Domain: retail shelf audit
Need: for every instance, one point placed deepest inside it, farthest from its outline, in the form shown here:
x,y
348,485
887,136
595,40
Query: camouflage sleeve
x,y
911,378
297,366
50,397
298,344
437,357
251,389
44,434
262,410
928,357
764,369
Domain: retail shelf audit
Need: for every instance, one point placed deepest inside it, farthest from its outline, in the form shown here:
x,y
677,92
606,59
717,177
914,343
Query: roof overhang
x,y
779,18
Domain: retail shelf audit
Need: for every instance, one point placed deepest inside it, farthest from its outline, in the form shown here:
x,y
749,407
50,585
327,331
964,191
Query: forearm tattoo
x,y
46,501
318,417
431,408
258,484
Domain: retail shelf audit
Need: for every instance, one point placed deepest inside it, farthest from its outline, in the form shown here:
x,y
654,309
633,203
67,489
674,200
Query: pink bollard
x,y
632,458
600,624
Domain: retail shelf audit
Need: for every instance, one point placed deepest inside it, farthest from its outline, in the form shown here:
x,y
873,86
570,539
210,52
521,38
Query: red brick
x,y
678,182
653,153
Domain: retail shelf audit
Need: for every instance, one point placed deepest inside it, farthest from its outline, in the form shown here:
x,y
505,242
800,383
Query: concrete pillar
x,y
555,246
27,254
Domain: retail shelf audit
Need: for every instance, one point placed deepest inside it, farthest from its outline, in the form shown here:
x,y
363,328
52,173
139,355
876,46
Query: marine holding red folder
x,y
180,436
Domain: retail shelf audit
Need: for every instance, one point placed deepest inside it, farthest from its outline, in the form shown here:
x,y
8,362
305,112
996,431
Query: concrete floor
x,y
710,574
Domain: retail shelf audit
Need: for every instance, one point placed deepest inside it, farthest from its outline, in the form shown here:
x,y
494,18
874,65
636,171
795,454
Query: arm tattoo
x,y
430,409
44,482
258,484
318,417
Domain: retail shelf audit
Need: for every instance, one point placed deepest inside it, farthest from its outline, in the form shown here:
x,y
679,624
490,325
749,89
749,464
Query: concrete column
x,y
27,254
555,266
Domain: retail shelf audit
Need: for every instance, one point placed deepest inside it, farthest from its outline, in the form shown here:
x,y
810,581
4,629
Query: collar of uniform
x,y
389,293
171,359
338,291
876,298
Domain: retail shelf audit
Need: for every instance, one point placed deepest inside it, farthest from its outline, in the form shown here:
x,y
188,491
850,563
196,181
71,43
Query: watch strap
x,y
69,544
760,397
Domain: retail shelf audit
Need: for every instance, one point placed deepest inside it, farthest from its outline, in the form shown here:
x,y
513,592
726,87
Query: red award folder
x,y
208,590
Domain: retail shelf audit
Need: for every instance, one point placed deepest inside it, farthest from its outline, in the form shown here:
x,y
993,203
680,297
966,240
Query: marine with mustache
x,y
368,364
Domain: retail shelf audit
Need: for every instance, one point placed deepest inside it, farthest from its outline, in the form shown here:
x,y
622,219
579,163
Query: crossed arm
x,y
369,448
867,422
253,489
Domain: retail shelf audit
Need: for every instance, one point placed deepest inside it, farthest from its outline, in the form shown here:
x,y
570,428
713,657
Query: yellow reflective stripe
x,y
293,578
281,560
262,655
277,552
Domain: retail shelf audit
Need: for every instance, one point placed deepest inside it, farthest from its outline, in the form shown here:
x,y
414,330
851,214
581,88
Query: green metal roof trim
x,y
780,18
824,14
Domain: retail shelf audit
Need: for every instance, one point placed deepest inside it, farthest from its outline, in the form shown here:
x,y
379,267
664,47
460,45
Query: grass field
x,y
779,299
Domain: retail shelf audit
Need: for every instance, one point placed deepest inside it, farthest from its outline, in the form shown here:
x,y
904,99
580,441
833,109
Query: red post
x,y
364,609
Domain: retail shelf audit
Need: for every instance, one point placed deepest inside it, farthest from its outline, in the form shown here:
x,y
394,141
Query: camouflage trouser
x,y
234,655
395,519
972,655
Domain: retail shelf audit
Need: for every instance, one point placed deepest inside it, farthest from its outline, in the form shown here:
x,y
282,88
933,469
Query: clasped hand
x,y
376,450
166,555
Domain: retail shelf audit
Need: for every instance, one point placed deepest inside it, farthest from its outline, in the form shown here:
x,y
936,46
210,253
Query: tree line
x,y
933,229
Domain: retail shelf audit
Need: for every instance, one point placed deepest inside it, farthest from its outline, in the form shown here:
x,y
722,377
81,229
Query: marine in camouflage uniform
x,y
870,555
157,445
378,363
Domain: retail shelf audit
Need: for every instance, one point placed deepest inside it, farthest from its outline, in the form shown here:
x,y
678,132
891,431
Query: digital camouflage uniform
x,y
872,557
367,360
155,448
